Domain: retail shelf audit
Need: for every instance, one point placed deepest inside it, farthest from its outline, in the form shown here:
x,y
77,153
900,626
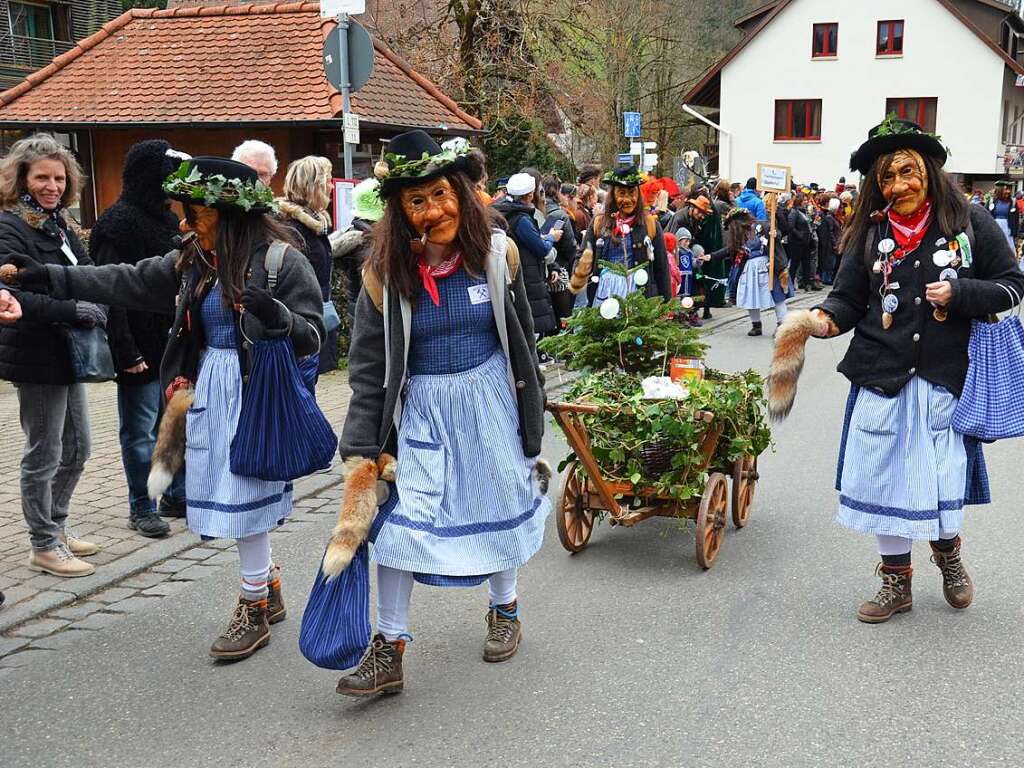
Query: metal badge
x,y
886,246
955,261
948,274
942,258
890,303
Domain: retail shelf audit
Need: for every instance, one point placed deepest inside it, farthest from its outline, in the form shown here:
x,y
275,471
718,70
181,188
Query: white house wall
x,y
941,58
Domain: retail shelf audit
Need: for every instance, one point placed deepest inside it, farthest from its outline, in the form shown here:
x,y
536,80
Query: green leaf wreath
x,y
188,181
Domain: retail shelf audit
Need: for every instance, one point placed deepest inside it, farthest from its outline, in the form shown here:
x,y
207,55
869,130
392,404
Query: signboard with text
x,y
773,178
631,126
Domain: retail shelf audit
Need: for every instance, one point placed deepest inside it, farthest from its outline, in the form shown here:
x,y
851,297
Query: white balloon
x,y
687,302
610,308
640,277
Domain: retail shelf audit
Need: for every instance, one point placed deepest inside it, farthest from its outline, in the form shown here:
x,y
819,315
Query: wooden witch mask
x,y
903,180
433,210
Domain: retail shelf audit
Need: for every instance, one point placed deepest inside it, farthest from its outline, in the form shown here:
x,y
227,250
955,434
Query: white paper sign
x,y
351,123
332,8
773,178
342,204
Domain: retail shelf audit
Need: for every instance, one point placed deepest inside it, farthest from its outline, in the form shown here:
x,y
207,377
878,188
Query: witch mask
x,y
433,210
626,199
904,181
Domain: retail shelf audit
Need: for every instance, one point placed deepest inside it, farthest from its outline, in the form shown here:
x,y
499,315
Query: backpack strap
x,y
272,262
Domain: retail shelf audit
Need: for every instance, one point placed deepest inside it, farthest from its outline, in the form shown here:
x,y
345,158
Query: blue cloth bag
x,y
336,623
991,406
282,434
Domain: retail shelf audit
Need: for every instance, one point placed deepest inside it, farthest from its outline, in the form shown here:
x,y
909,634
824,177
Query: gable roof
x,y
220,65
706,91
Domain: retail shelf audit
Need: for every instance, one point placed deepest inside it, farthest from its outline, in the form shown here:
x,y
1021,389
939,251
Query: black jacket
x,y
533,251
567,246
829,234
917,344
138,225
312,232
800,234
33,350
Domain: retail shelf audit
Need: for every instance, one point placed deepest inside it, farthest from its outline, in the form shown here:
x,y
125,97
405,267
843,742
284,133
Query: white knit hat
x,y
520,184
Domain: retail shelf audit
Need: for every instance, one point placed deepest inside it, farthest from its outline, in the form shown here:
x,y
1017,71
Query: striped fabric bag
x,y
336,623
991,406
282,434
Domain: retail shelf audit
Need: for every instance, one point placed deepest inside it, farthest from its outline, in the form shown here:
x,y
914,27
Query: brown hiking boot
x,y
893,597
957,587
275,600
247,632
380,671
504,633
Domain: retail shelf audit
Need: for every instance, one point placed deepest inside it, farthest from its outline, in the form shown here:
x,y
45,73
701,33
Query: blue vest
x,y
457,335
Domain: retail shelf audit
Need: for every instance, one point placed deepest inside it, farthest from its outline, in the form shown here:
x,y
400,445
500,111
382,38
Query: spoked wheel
x,y
744,480
711,519
575,522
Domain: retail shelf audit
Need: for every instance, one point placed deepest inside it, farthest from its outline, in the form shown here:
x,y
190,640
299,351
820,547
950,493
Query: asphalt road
x,y
632,656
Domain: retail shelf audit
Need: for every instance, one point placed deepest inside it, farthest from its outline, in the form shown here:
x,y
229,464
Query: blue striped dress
x,y
464,504
611,284
903,469
221,504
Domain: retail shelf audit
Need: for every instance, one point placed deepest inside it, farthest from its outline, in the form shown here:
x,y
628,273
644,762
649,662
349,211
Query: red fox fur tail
x,y
169,452
788,361
358,507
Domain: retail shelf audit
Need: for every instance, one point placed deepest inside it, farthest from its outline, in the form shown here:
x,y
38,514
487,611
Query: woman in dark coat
x,y
38,179
307,193
218,290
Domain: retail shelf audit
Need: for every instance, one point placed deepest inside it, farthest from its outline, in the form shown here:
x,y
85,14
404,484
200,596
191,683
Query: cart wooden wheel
x,y
711,519
744,480
575,522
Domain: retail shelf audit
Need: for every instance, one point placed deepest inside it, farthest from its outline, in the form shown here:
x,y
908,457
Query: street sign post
x,y
348,63
332,8
631,121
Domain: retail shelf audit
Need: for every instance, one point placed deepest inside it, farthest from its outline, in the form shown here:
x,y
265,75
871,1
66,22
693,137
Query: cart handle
x,y
561,407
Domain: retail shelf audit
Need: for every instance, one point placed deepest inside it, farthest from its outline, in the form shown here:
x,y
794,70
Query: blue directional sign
x,y
632,124
625,159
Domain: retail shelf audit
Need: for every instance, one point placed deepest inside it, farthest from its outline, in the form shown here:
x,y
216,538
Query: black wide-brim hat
x,y
414,158
891,135
623,177
237,176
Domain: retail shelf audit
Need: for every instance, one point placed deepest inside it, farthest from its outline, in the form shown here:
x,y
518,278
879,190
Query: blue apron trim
x,y
906,514
235,508
437,580
470,529
421,444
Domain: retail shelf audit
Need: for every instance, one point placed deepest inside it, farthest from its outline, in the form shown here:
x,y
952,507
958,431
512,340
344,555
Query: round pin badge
x,y
942,258
948,274
890,303
886,246
955,261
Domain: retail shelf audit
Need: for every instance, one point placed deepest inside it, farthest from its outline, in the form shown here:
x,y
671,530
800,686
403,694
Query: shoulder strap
x,y
273,261
374,288
652,227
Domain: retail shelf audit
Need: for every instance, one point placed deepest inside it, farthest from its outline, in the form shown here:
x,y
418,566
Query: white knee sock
x,y
254,565
755,315
501,587
394,591
781,310
893,545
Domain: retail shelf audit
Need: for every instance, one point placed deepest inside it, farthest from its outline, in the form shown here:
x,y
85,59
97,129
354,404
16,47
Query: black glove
x,y
259,303
89,315
32,276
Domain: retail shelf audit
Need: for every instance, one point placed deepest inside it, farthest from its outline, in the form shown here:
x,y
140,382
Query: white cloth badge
x,y
65,246
478,294
894,286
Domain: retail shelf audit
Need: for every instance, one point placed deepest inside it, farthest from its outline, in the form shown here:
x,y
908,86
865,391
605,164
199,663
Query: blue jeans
x,y
139,408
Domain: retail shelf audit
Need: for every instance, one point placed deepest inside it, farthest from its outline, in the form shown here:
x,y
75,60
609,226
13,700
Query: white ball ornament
x,y
687,302
640,277
609,308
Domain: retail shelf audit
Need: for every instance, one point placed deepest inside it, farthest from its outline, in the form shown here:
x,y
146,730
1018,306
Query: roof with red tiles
x,y
220,65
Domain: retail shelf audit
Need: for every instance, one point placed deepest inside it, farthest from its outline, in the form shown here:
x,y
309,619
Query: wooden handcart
x,y
585,490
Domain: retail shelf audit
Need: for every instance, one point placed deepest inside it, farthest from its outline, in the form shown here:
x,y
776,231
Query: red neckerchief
x,y
621,221
429,275
909,230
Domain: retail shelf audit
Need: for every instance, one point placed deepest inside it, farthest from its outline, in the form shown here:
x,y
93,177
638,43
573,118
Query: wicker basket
x,y
657,458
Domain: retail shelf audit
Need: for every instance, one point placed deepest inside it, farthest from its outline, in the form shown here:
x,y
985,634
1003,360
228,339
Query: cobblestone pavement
x,y
99,508
44,612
